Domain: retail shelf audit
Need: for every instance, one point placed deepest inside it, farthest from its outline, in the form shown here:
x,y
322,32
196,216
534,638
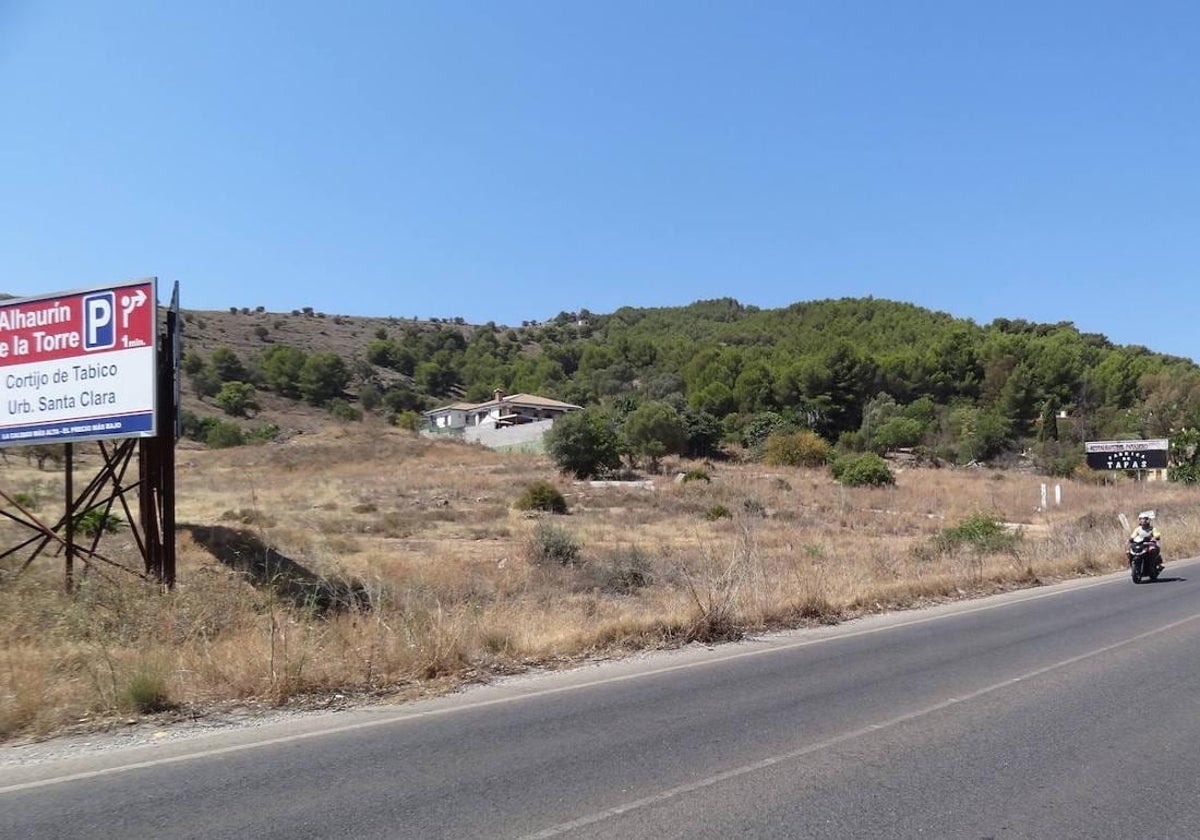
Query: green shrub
x,y
195,427
804,448
236,399
369,397
755,432
626,571
983,532
866,469
1057,460
95,522
146,691
542,495
223,434
1184,473
263,434
553,546
583,443
898,432
407,420
342,410
227,367
717,512
697,475
26,500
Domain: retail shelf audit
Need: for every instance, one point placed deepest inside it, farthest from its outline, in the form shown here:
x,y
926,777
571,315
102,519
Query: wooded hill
x,y
865,374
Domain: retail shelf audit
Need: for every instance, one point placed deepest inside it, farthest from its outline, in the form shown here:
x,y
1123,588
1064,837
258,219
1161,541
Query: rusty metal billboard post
x,y
1127,454
89,365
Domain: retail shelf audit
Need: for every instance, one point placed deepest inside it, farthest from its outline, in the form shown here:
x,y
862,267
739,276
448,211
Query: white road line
x,y
771,761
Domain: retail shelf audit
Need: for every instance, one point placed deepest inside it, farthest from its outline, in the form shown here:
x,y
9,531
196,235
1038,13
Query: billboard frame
x,y
152,483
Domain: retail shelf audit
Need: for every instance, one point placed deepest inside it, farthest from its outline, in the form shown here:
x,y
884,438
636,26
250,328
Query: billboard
x,y
79,365
1127,454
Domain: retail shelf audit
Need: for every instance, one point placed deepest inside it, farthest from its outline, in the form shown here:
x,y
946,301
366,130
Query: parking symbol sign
x,y
99,325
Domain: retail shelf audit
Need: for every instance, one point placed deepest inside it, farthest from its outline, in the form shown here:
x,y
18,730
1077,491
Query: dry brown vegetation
x,y
365,562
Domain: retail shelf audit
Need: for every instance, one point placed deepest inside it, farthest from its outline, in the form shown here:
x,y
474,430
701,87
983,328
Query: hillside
x,y
850,369
249,332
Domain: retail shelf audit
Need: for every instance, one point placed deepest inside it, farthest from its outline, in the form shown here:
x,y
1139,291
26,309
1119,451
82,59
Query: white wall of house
x,y
479,418
491,415
525,435
450,420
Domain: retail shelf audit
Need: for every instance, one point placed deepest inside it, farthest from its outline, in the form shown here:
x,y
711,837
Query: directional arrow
x,y
130,303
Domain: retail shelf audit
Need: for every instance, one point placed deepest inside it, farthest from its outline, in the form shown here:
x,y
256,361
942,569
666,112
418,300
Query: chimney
x,y
498,394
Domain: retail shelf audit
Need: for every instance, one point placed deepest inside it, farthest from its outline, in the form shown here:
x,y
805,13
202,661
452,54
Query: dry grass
x,y
365,562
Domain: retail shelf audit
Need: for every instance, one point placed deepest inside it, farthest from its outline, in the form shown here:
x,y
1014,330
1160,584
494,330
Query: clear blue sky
x,y
505,161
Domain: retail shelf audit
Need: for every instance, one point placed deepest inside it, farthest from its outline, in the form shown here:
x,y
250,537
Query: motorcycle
x,y
1144,559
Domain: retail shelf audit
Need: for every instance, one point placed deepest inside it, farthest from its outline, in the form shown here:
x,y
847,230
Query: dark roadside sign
x,y
1127,454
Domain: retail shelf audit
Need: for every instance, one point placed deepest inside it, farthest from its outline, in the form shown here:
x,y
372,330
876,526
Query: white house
x,y
485,422
453,416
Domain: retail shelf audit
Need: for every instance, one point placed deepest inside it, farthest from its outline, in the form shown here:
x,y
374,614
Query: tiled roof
x,y
531,400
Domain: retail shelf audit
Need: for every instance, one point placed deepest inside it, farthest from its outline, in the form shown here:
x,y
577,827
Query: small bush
x,y
407,420
753,507
804,448
542,495
369,397
95,522
146,691
867,469
248,516
262,434
982,532
717,512
236,399
342,410
625,572
1096,478
697,475
223,434
553,546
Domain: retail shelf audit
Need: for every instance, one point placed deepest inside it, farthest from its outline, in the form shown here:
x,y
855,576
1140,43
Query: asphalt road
x,y
1070,711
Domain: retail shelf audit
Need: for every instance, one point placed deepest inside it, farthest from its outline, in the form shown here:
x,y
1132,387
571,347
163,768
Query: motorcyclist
x,y
1146,531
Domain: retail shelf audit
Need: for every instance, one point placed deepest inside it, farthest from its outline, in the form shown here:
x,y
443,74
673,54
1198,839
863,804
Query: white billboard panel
x,y
79,365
